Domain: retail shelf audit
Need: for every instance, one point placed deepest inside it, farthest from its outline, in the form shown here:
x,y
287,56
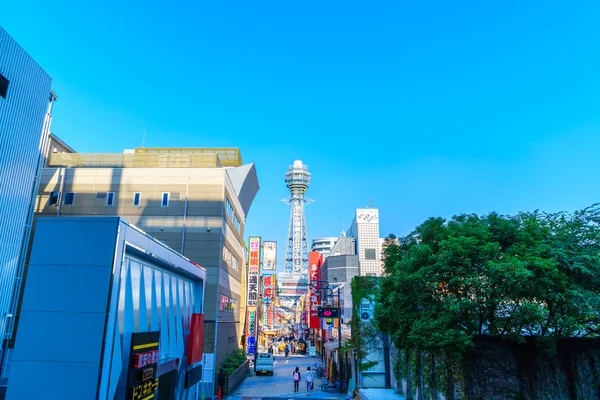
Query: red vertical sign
x,y
314,297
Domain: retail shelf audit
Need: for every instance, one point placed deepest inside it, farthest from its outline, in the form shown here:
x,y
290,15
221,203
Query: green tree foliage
x,y
234,361
532,274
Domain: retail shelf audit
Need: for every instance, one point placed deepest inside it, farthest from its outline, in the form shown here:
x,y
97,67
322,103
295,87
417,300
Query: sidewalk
x,y
380,394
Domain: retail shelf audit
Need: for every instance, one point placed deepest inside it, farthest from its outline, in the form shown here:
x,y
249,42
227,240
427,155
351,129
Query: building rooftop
x,y
151,158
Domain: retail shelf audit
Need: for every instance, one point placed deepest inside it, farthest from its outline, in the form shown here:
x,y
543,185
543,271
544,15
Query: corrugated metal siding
x,y
22,115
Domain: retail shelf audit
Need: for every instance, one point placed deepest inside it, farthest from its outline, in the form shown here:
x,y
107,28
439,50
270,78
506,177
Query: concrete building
x,y
106,305
323,245
365,230
342,264
25,116
194,200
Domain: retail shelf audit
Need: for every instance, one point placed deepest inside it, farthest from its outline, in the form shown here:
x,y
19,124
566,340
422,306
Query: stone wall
x,y
500,369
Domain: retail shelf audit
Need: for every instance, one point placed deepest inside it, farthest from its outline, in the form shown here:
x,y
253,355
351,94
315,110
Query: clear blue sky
x,y
430,109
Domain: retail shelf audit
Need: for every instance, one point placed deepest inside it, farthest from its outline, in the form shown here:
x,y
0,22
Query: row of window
x,y
69,198
229,259
227,304
232,215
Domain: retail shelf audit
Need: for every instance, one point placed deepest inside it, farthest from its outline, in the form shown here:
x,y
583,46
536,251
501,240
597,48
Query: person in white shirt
x,y
308,376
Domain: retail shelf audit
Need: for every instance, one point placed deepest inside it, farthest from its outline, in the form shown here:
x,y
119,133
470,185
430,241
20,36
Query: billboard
x,y
253,269
367,216
314,297
269,262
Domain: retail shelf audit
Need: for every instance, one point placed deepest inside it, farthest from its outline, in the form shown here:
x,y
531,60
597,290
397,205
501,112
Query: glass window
x,y
224,303
136,199
110,198
69,198
236,222
165,199
232,304
3,85
53,200
369,254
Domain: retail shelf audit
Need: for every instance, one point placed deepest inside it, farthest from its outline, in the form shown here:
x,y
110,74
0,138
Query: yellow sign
x,y
145,391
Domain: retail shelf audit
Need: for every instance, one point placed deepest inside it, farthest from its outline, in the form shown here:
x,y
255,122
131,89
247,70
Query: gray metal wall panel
x,y
22,115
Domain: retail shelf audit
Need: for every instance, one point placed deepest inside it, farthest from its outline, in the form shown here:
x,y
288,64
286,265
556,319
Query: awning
x,y
331,346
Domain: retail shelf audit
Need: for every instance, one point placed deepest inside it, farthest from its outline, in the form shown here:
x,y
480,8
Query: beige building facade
x,y
192,202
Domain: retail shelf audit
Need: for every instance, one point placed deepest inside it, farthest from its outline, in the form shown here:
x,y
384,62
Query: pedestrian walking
x,y
296,379
308,377
287,351
221,382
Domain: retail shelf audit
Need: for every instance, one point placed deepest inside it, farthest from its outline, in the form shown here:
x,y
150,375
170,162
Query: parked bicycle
x,y
318,370
331,387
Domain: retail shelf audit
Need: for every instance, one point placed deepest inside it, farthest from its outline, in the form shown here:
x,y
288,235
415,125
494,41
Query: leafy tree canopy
x,y
532,274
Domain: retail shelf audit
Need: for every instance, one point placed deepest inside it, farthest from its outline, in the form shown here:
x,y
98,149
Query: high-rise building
x,y
297,180
365,230
195,201
323,245
25,115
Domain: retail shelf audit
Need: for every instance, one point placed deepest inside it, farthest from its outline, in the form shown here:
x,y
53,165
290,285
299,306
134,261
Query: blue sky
x,y
429,109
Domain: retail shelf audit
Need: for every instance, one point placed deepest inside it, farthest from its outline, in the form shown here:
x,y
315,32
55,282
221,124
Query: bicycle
x,y
330,387
318,370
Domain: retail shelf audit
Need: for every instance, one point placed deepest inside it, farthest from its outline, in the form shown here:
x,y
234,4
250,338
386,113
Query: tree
x,y
532,274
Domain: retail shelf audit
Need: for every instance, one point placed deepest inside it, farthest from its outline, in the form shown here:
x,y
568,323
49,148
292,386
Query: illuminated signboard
x,y
143,361
328,312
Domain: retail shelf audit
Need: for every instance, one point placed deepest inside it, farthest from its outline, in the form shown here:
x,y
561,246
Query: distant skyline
x,y
429,109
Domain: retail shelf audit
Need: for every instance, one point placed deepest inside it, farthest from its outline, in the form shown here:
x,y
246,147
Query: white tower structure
x,y
297,180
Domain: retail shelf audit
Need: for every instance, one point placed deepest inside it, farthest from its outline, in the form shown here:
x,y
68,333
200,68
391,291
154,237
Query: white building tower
x,y
297,180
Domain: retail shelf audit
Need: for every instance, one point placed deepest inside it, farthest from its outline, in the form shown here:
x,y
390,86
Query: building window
x,y
100,195
370,254
228,209
53,200
165,200
69,198
227,304
110,198
3,85
236,222
136,199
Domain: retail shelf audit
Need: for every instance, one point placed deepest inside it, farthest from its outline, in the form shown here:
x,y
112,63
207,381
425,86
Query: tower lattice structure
x,y
297,180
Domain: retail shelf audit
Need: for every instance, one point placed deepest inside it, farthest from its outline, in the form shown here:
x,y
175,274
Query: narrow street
x,y
281,384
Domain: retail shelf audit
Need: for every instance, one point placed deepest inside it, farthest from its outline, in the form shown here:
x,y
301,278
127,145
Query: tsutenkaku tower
x,y
297,180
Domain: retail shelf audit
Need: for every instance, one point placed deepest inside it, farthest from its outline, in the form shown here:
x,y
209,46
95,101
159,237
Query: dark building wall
x,y
340,268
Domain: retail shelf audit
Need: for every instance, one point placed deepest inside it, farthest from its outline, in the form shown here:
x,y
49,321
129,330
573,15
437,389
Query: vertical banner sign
x,y
252,293
142,379
251,342
253,268
269,256
314,265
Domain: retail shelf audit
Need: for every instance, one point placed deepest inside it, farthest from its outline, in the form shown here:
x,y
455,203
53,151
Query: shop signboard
x,y
142,381
253,272
314,297
328,312
251,331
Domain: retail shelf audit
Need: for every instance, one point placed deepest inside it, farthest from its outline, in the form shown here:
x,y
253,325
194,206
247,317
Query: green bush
x,y
233,362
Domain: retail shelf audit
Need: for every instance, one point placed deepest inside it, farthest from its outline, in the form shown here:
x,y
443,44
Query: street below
x,y
281,384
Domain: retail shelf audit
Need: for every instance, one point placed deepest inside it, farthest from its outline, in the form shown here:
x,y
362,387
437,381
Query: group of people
x,y
308,377
287,347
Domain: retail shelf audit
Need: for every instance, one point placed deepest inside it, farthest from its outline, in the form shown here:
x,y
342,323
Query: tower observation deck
x,y
297,180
